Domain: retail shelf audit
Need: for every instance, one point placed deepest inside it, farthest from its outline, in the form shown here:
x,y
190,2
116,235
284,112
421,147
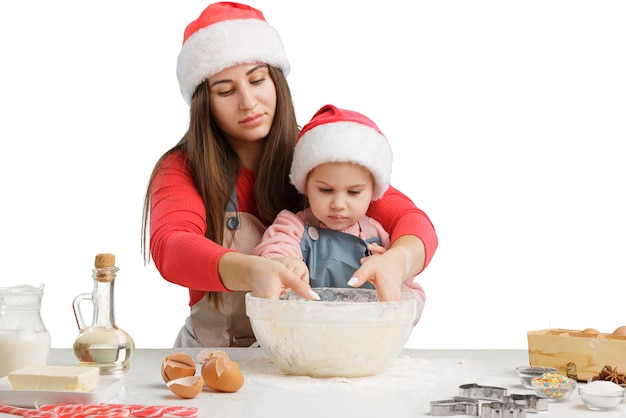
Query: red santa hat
x,y
224,35
339,135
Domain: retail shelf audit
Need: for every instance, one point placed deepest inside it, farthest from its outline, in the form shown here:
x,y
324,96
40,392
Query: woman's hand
x,y
264,277
387,270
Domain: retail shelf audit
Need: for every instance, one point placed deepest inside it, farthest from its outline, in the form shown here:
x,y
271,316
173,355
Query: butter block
x,y
68,378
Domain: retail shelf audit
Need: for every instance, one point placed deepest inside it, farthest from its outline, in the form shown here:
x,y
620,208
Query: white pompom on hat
x,y
226,34
339,135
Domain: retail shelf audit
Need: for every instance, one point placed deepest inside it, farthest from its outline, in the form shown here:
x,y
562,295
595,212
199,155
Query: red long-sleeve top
x,y
184,256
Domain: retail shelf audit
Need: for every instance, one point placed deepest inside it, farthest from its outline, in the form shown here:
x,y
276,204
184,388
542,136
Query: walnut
x,y
612,375
571,370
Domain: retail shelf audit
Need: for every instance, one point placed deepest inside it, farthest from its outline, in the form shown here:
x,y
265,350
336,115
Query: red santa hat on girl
x,y
339,135
224,35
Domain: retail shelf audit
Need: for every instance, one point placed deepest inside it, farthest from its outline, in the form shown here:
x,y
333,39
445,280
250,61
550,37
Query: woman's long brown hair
x,y
215,166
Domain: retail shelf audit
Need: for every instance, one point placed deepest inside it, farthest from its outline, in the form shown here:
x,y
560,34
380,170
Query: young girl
x,y
341,163
211,196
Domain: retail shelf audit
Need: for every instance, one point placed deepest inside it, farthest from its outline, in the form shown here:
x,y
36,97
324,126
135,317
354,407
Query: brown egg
x,y
177,365
221,374
620,330
590,331
206,353
186,387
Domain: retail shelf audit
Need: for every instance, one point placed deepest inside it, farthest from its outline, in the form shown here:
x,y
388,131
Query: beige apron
x,y
228,326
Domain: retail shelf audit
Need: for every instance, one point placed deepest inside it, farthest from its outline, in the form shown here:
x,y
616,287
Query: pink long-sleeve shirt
x,y
283,237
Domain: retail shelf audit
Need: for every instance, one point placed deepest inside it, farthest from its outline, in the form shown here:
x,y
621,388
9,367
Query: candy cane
x,y
143,411
63,409
37,413
13,410
83,411
180,411
103,410
146,411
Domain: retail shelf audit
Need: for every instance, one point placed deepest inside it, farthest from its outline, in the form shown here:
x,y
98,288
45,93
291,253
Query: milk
x,y
22,348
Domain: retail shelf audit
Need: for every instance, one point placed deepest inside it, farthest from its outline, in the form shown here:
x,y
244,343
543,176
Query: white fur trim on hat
x,y
343,142
224,44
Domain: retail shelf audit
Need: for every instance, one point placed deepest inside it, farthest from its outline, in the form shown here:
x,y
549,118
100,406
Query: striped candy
x,y
103,410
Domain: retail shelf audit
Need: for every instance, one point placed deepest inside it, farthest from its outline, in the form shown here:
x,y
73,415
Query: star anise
x,y
611,374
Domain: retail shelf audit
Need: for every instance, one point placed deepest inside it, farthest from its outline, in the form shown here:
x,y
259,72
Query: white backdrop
x,y
507,121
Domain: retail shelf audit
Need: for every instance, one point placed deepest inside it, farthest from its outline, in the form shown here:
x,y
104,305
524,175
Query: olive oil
x,y
111,359
102,343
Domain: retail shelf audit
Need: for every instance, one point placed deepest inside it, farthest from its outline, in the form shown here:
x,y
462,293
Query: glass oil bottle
x,y
102,344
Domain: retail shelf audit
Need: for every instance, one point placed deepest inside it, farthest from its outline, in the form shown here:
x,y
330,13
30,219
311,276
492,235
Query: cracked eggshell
x,y
206,353
221,374
186,387
177,365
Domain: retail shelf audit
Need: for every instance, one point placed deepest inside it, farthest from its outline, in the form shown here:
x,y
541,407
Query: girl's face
x,y
243,102
339,193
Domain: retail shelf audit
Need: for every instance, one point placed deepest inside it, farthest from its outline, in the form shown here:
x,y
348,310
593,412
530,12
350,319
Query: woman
x,y
211,196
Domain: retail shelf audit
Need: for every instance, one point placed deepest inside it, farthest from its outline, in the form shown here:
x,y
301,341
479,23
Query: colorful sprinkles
x,y
553,385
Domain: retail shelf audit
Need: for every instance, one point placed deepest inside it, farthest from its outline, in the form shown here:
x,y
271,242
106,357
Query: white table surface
x,y
404,389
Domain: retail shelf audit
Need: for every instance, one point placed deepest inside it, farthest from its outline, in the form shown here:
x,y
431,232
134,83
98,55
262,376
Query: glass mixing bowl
x,y
348,333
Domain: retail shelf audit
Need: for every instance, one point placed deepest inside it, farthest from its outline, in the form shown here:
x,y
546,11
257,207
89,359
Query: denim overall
x,y
333,256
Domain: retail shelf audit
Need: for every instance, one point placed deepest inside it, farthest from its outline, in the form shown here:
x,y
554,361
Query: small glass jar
x,y
24,340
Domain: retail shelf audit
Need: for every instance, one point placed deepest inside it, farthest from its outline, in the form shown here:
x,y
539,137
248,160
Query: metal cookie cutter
x,y
454,406
488,393
532,403
502,410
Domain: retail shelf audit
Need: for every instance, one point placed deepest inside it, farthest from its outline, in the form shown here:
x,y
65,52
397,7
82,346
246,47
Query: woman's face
x,y
243,102
339,193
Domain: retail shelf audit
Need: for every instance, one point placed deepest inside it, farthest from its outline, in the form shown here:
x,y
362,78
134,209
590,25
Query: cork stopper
x,y
104,260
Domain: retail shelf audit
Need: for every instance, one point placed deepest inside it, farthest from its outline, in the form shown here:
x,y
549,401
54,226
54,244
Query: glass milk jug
x,y
102,343
24,340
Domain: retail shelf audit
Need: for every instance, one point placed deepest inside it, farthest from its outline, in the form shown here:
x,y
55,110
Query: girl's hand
x,y
296,265
375,249
387,271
